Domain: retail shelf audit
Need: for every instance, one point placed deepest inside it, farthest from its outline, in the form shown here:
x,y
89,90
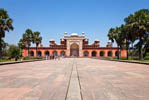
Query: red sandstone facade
x,y
75,46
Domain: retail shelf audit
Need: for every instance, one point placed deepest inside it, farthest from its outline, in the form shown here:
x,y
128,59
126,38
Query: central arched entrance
x,y
74,50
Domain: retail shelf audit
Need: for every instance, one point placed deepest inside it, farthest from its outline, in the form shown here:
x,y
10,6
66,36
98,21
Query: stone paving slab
x,y
108,80
44,80
97,79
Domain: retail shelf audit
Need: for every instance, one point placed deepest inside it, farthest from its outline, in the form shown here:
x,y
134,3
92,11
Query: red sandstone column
x,y
123,53
27,53
50,53
24,54
90,53
98,53
42,53
58,52
113,53
34,53
106,53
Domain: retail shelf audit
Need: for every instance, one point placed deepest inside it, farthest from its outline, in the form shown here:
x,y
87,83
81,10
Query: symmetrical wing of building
x,y
75,45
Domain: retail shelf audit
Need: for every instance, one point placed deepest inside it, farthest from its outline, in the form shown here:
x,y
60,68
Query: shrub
x,y
14,52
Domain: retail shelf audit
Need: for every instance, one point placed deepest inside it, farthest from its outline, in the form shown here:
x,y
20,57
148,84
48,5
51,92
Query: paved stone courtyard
x,y
74,79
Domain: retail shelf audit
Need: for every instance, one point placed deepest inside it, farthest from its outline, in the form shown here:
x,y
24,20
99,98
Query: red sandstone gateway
x,y
75,46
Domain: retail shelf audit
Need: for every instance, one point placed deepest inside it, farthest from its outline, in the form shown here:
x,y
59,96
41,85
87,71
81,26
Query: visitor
x,y
46,57
58,57
55,57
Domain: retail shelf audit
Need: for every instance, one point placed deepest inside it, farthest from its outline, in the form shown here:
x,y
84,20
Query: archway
x,y
102,53
94,53
74,50
109,53
62,53
31,53
54,53
47,53
39,53
86,53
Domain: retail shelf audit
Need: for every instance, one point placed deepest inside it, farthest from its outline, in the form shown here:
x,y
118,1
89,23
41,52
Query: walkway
x,y
74,79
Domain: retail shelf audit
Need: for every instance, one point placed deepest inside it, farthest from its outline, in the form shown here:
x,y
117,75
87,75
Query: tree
x,y
135,30
127,35
139,21
115,34
26,39
146,46
4,44
4,49
21,44
14,52
37,39
112,34
5,25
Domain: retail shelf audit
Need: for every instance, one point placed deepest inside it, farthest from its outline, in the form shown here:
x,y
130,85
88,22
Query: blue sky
x,y
54,17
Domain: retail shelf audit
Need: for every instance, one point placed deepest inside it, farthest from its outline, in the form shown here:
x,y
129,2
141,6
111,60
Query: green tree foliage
x,y
4,45
5,25
146,46
139,22
30,37
26,40
14,52
37,39
22,44
115,35
136,30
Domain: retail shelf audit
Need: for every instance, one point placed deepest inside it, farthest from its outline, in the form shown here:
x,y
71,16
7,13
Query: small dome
x,y
74,34
52,40
109,41
97,40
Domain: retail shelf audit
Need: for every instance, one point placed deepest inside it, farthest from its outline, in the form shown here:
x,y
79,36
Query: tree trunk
x,y
28,50
127,47
118,51
36,49
132,50
140,48
0,47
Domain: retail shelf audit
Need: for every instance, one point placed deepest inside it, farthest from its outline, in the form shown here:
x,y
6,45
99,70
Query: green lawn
x,y
4,60
144,60
33,58
25,58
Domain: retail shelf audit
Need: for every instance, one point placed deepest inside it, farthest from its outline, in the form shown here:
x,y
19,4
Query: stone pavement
x,y
74,79
74,92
